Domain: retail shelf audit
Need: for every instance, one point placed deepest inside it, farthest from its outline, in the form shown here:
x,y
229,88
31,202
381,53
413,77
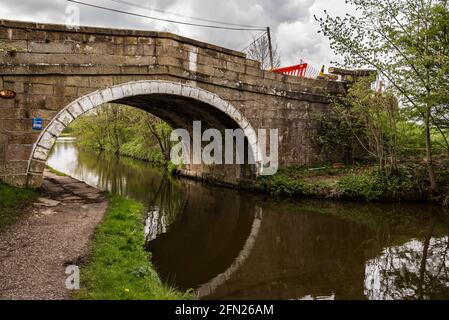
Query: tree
x,y
117,126
259,50
124,130
93,128
370,119
161,132
406,41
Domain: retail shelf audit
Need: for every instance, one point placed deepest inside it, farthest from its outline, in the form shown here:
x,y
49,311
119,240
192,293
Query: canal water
x,y
228,244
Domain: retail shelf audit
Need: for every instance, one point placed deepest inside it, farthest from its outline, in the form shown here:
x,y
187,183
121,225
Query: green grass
x,y
119,268
353,183
56,172
13,201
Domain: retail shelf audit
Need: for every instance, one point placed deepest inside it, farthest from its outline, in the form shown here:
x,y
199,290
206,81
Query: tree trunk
x,y
430,168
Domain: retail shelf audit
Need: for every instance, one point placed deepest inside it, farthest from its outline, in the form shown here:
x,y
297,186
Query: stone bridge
x,y
57,74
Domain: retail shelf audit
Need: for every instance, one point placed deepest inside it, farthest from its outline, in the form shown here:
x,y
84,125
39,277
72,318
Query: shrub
x,y
374,185
280,185
365,186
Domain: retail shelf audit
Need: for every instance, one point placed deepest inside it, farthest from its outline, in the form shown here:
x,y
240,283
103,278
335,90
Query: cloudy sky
x,y
292,23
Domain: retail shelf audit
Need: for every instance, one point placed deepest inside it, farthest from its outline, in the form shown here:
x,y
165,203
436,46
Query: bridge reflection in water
x,y
237,245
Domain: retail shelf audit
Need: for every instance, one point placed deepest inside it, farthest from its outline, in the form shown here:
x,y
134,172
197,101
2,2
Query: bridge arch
x,y
155,96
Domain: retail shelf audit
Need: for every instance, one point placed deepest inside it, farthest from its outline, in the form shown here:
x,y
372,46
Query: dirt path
x,y
34,252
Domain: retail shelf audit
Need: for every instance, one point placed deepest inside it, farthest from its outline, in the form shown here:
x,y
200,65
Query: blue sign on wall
x,y
38,124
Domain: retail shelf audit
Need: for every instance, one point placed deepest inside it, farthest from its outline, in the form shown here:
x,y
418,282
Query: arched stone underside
x,y
176,103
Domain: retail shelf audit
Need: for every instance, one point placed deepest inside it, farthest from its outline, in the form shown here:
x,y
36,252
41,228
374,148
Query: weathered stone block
x,y
133,69
34,180
65,118
56,128
37,166
133,50
17,125
150,87
14,167
75,108
65,91
146,40
117,92
14,45
8,103
240,68
206,69
167,42
18,152
149,50
47,115
52,47
17,180
40,153
42,89
157,70
248,79
16,86
254,71
189,91
107,95
136,88
169,61
84,91
169,88
130,40
140,60
13,113
96,99
213,62
57,102
127,90
49,79
47,140
100,81
77,81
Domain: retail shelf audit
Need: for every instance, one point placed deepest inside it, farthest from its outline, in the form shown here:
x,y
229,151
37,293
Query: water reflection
x,y
237,245
125,176
414,270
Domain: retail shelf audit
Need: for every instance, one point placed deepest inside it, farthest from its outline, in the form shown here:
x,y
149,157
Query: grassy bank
x,y
56,172
119,267
365,183
13,202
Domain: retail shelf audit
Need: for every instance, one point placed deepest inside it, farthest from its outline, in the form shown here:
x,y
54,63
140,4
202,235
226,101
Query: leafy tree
x,y
117,126
124,130
161,132
371,120
406,41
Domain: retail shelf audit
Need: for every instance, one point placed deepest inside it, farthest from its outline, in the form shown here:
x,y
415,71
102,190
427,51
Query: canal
x,y
228,244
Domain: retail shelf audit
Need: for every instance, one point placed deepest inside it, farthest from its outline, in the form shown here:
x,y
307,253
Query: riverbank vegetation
x,y
124,130
13,202
405,119
358,182
56,172
383,150
119,268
